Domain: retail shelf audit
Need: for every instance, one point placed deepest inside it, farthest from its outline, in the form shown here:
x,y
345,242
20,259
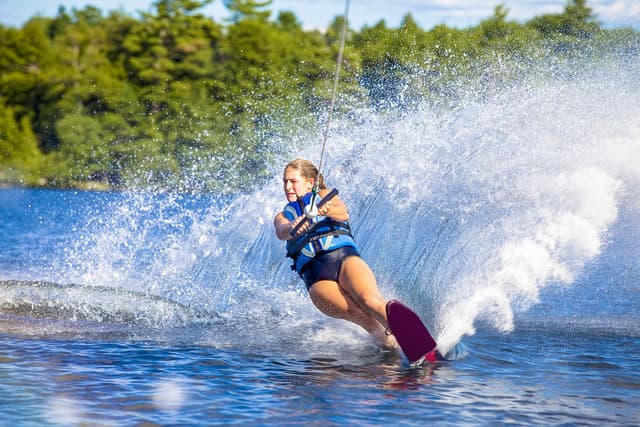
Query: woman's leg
x,y
358,281
333,301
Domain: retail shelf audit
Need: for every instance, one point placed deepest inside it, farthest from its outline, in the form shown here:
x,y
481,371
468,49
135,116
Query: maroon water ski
x,y
413,337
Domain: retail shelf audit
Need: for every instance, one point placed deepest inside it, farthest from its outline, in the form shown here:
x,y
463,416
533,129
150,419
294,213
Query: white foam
x,y
464,211
565,238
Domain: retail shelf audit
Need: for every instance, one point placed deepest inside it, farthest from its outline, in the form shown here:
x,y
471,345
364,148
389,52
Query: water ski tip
x,y
412,336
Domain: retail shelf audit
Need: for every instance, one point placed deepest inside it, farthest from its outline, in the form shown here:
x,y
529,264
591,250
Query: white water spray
x,y
465,213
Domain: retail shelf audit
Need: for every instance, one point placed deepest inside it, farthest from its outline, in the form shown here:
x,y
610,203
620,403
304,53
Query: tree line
x,y
174,99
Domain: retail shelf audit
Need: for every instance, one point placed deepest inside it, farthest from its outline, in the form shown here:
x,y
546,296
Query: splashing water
x,y
465,213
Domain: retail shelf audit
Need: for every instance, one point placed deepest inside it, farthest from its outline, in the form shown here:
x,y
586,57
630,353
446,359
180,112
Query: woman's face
x,y
295,185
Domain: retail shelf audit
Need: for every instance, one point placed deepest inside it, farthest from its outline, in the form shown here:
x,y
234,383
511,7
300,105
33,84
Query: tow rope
x,y
311,211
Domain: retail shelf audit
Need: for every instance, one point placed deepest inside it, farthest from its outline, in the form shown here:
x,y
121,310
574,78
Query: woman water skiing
x,y
325,255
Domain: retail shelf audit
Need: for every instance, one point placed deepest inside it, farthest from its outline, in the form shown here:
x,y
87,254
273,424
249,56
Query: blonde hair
x,y
307,170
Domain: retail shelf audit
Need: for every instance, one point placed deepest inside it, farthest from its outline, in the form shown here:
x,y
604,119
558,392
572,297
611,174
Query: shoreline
x,y
83,186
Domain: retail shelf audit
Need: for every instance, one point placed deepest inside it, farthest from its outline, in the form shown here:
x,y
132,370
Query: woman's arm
x,y
284,226
334,208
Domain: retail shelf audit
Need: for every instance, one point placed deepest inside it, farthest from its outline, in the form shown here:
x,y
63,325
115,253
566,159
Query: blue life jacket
x,y
324,234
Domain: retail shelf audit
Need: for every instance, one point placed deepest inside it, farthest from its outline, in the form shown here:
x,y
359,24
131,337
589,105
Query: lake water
x,y
510,224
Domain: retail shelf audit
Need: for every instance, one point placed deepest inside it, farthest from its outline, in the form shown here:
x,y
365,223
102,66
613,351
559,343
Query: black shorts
x,y
326,266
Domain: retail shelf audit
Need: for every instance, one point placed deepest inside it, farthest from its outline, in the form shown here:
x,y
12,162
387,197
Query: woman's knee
x,y
343,307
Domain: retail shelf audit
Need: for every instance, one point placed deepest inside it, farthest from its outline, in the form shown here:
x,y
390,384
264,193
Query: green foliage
x,y
248,9
576,21
20,158
173,99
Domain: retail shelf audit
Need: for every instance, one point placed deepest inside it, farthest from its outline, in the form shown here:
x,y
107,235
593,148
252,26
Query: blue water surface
x,y
98,354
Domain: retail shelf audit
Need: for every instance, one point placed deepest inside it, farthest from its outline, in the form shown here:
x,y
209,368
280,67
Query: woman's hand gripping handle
x,y
321,203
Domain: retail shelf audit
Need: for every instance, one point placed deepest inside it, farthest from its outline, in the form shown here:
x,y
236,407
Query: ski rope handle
x,y
321,203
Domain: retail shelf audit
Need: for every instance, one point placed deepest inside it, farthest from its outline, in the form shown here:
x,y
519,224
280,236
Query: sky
x,y
320,13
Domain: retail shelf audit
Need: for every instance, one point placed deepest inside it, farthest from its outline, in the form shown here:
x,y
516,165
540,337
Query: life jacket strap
x,y
336,229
